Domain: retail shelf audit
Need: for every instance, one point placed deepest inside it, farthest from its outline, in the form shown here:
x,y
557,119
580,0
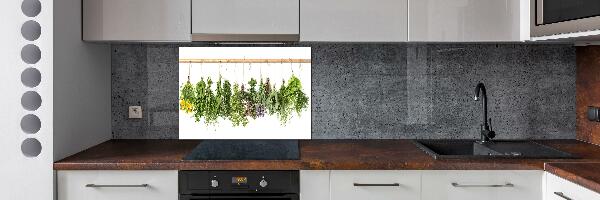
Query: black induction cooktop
x,y
245,150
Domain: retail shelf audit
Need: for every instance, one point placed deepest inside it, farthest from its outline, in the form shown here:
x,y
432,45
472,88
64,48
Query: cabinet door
x,y
136,20
375,185
560,189
468,20
117,185
478,185
354,20
249,17
314,184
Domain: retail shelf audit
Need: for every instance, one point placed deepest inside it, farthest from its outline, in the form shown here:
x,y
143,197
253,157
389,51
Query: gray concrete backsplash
x,y
382,91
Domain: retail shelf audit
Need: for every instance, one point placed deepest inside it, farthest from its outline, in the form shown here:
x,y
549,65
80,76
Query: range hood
x,y
246,21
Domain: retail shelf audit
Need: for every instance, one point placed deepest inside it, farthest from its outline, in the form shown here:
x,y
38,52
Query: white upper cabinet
x,y
136,20
245,20
468,20
354,20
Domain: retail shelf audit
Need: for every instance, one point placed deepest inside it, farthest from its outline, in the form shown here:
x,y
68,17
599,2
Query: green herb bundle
x,y
237,103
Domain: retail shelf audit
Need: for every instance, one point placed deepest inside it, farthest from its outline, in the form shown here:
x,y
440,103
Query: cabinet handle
x,y
562,195
376,184
493,185
114,186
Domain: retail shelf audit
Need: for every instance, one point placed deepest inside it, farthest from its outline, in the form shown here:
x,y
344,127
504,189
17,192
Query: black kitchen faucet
x,y
487,134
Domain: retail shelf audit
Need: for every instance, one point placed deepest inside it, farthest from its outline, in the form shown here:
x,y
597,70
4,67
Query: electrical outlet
x,y
135,112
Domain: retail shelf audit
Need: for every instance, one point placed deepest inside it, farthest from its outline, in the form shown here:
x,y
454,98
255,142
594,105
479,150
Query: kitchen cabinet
x,y
468,20
314,184
117,185
482,184
136,20
354,20
560,189
242,20
379,184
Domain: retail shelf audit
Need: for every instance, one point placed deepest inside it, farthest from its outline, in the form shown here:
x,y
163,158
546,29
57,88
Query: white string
x,y
189,70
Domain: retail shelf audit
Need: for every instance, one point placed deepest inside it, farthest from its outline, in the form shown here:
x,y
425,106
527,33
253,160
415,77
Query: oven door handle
x,y
241,196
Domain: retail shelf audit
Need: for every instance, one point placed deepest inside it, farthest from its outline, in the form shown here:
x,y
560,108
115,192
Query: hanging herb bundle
x,y
225,99
237,103
251,99
187,97
212,105
261,99
299,99
200,101
237,114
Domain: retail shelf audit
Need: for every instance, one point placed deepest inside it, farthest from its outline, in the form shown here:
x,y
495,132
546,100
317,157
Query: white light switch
x,y
135,112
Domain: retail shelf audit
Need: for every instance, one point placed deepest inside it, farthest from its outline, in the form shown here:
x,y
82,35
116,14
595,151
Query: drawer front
x,y
117,185
560,189
477,185
376,185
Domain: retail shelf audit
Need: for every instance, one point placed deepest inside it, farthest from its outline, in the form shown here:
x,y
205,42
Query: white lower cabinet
x,y
375,185
482,185
421,185
314,184
117,185
560,189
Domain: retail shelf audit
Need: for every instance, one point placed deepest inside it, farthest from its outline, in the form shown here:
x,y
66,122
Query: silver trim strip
x,y
539,12
245,37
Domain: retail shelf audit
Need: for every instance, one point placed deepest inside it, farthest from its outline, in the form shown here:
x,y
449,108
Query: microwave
x,y
553,17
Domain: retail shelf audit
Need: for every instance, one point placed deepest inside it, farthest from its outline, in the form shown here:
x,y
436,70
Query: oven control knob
x,y
214,183
263,183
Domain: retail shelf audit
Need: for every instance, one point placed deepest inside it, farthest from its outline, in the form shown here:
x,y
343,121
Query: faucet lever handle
x,y
491,129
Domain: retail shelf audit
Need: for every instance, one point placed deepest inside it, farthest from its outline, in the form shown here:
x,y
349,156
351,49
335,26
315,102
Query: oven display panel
x,y
239,180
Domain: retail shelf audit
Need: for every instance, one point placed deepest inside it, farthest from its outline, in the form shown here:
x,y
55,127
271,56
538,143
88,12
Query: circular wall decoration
x,y
31,100
31,8
31,30
31,77
31,54
31,124
31,147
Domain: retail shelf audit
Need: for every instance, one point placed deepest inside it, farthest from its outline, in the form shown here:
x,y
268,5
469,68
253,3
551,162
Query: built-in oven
x,y
552,17
237,185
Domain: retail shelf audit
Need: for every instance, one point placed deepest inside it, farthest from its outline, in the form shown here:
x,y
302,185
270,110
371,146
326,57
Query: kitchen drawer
x,y
395,185
556,186
478,185
162,185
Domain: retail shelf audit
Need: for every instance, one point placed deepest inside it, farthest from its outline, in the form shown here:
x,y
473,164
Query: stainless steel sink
x,y
469,149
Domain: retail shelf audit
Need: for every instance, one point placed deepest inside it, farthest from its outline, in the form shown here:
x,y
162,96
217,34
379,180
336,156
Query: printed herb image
x,y
243,93
241,102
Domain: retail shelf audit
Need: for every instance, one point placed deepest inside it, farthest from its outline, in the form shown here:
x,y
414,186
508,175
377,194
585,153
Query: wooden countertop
x,y
584,174
331,155
314,155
